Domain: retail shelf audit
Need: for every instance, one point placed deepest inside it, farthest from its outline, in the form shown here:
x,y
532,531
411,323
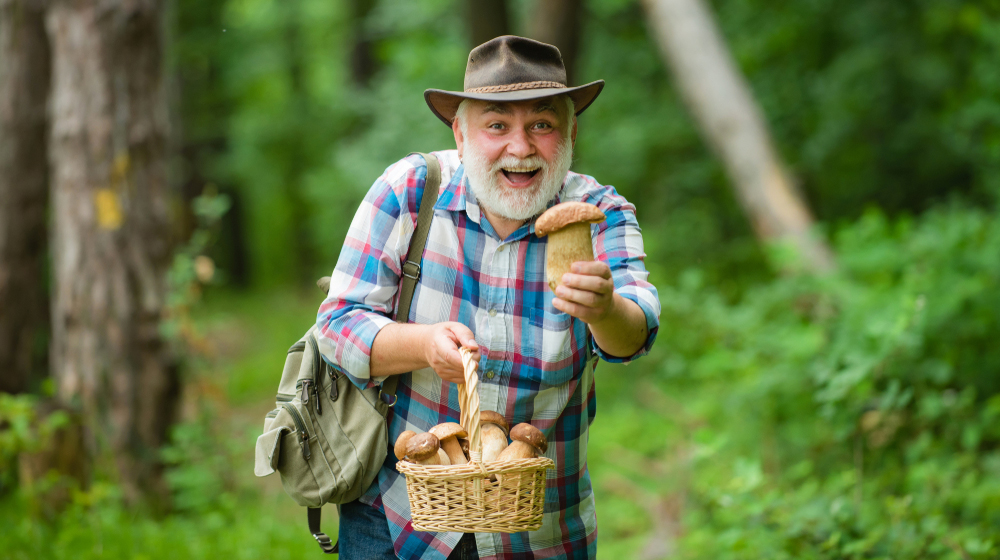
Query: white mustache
x,y
512,162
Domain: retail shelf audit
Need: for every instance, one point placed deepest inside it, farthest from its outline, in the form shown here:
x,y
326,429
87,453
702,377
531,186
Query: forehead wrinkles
x,y
545,105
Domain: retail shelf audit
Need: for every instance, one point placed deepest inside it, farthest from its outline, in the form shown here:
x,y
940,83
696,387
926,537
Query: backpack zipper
x,y
304,396
300,427
309,387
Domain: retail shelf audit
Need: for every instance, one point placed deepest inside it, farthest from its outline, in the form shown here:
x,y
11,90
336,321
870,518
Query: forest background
x,y
782,414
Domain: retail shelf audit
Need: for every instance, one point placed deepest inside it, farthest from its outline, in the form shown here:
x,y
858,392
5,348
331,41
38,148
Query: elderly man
x,y
482,285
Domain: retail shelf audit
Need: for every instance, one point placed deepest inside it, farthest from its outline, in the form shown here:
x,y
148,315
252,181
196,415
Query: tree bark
x,y
24,89
295,147
558,22
718,96
486,19
111,236
362,62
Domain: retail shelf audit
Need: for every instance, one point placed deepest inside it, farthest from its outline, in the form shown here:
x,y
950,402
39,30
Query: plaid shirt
x,y
537,362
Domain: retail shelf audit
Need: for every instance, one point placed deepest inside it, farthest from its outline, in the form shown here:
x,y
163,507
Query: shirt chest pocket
x,y
552,341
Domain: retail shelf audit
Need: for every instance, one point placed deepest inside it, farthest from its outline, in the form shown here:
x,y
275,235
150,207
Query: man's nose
x,y
519,144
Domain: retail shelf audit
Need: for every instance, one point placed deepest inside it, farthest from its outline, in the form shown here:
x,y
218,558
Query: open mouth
x,y
520,176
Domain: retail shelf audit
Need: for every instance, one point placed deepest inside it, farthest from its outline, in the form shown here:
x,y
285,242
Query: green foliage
x,y
220,509
96,526
21,431
855,415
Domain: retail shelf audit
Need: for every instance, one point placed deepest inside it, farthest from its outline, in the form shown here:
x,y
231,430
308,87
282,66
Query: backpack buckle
x,y
385,398
411,270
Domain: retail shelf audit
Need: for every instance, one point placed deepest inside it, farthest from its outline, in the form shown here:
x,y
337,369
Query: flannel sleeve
x,y
365,281
618,242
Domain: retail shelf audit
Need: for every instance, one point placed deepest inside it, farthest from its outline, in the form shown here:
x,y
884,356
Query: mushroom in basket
x,y
493,428
448,433
529,442
424,449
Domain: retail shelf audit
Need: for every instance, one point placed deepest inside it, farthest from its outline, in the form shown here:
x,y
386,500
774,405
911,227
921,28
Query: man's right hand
x,y
441,350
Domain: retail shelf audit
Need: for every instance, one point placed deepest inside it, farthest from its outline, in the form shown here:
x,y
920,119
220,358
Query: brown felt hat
x,y
511,68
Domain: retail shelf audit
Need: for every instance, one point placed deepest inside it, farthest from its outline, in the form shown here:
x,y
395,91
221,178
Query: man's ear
x,y
459,139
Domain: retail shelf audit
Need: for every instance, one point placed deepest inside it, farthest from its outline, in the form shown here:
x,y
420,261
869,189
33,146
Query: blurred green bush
x,y
850,416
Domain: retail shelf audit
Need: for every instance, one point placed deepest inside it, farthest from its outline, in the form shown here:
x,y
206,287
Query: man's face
x,y
516,154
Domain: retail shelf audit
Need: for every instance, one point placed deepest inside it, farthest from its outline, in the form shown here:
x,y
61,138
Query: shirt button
x,y
493,312
490,374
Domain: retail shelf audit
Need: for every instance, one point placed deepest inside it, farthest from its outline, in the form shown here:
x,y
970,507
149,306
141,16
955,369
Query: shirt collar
x,y
453,199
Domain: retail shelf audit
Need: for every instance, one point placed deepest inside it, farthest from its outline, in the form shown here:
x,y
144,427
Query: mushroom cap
x,y
401,441
422,446
531,435
449,429
566,213
490,417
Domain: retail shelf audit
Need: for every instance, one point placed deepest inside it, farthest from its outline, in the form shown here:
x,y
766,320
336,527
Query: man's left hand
x,y
587,293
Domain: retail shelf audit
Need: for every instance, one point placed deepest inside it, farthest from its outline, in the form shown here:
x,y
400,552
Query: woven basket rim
x,y
472,470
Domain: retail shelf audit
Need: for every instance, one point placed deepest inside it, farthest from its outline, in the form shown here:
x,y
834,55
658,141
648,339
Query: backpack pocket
x,y
291,447
266,456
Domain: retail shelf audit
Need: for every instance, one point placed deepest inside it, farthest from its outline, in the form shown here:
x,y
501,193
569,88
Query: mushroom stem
x,y
566,246
454,451
494,442
443,457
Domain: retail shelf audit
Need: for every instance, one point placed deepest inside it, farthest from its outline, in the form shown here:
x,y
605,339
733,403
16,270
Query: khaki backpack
x,y
327,438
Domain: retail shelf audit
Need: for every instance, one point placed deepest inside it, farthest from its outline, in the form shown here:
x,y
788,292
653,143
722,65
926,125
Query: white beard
x,y
516,204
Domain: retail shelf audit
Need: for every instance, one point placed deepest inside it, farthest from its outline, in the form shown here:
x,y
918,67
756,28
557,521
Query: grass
x,y
226,512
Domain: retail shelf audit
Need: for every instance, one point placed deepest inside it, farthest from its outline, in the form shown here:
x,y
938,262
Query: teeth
x,y
520,169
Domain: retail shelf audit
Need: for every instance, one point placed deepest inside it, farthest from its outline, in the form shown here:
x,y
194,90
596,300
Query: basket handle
x,y
468,402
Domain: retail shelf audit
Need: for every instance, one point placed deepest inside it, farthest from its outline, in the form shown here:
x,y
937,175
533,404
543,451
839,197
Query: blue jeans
x,y
364,535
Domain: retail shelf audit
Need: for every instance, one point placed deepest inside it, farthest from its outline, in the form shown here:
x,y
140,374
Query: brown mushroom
x,y
493,428
529,442
464,442
401,441
448,433
568,226
423,449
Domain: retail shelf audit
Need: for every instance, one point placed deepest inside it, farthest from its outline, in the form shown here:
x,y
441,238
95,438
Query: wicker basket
x,y
461,497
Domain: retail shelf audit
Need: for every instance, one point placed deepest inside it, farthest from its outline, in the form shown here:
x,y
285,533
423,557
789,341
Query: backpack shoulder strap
x,y
411,268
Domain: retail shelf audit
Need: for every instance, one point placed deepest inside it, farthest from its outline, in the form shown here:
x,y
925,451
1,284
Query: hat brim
x,y
445,104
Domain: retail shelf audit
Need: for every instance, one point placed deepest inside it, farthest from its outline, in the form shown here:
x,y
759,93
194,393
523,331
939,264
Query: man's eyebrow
x,y
496,108
543,107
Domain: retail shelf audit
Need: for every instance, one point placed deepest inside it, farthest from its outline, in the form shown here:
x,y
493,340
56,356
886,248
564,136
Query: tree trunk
x,y
295,148
486,19
558,22
111,237
720,100
24,89
363,62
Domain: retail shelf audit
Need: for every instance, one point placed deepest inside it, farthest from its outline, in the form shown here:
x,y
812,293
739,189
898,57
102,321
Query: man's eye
x,y
496,126
543,125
